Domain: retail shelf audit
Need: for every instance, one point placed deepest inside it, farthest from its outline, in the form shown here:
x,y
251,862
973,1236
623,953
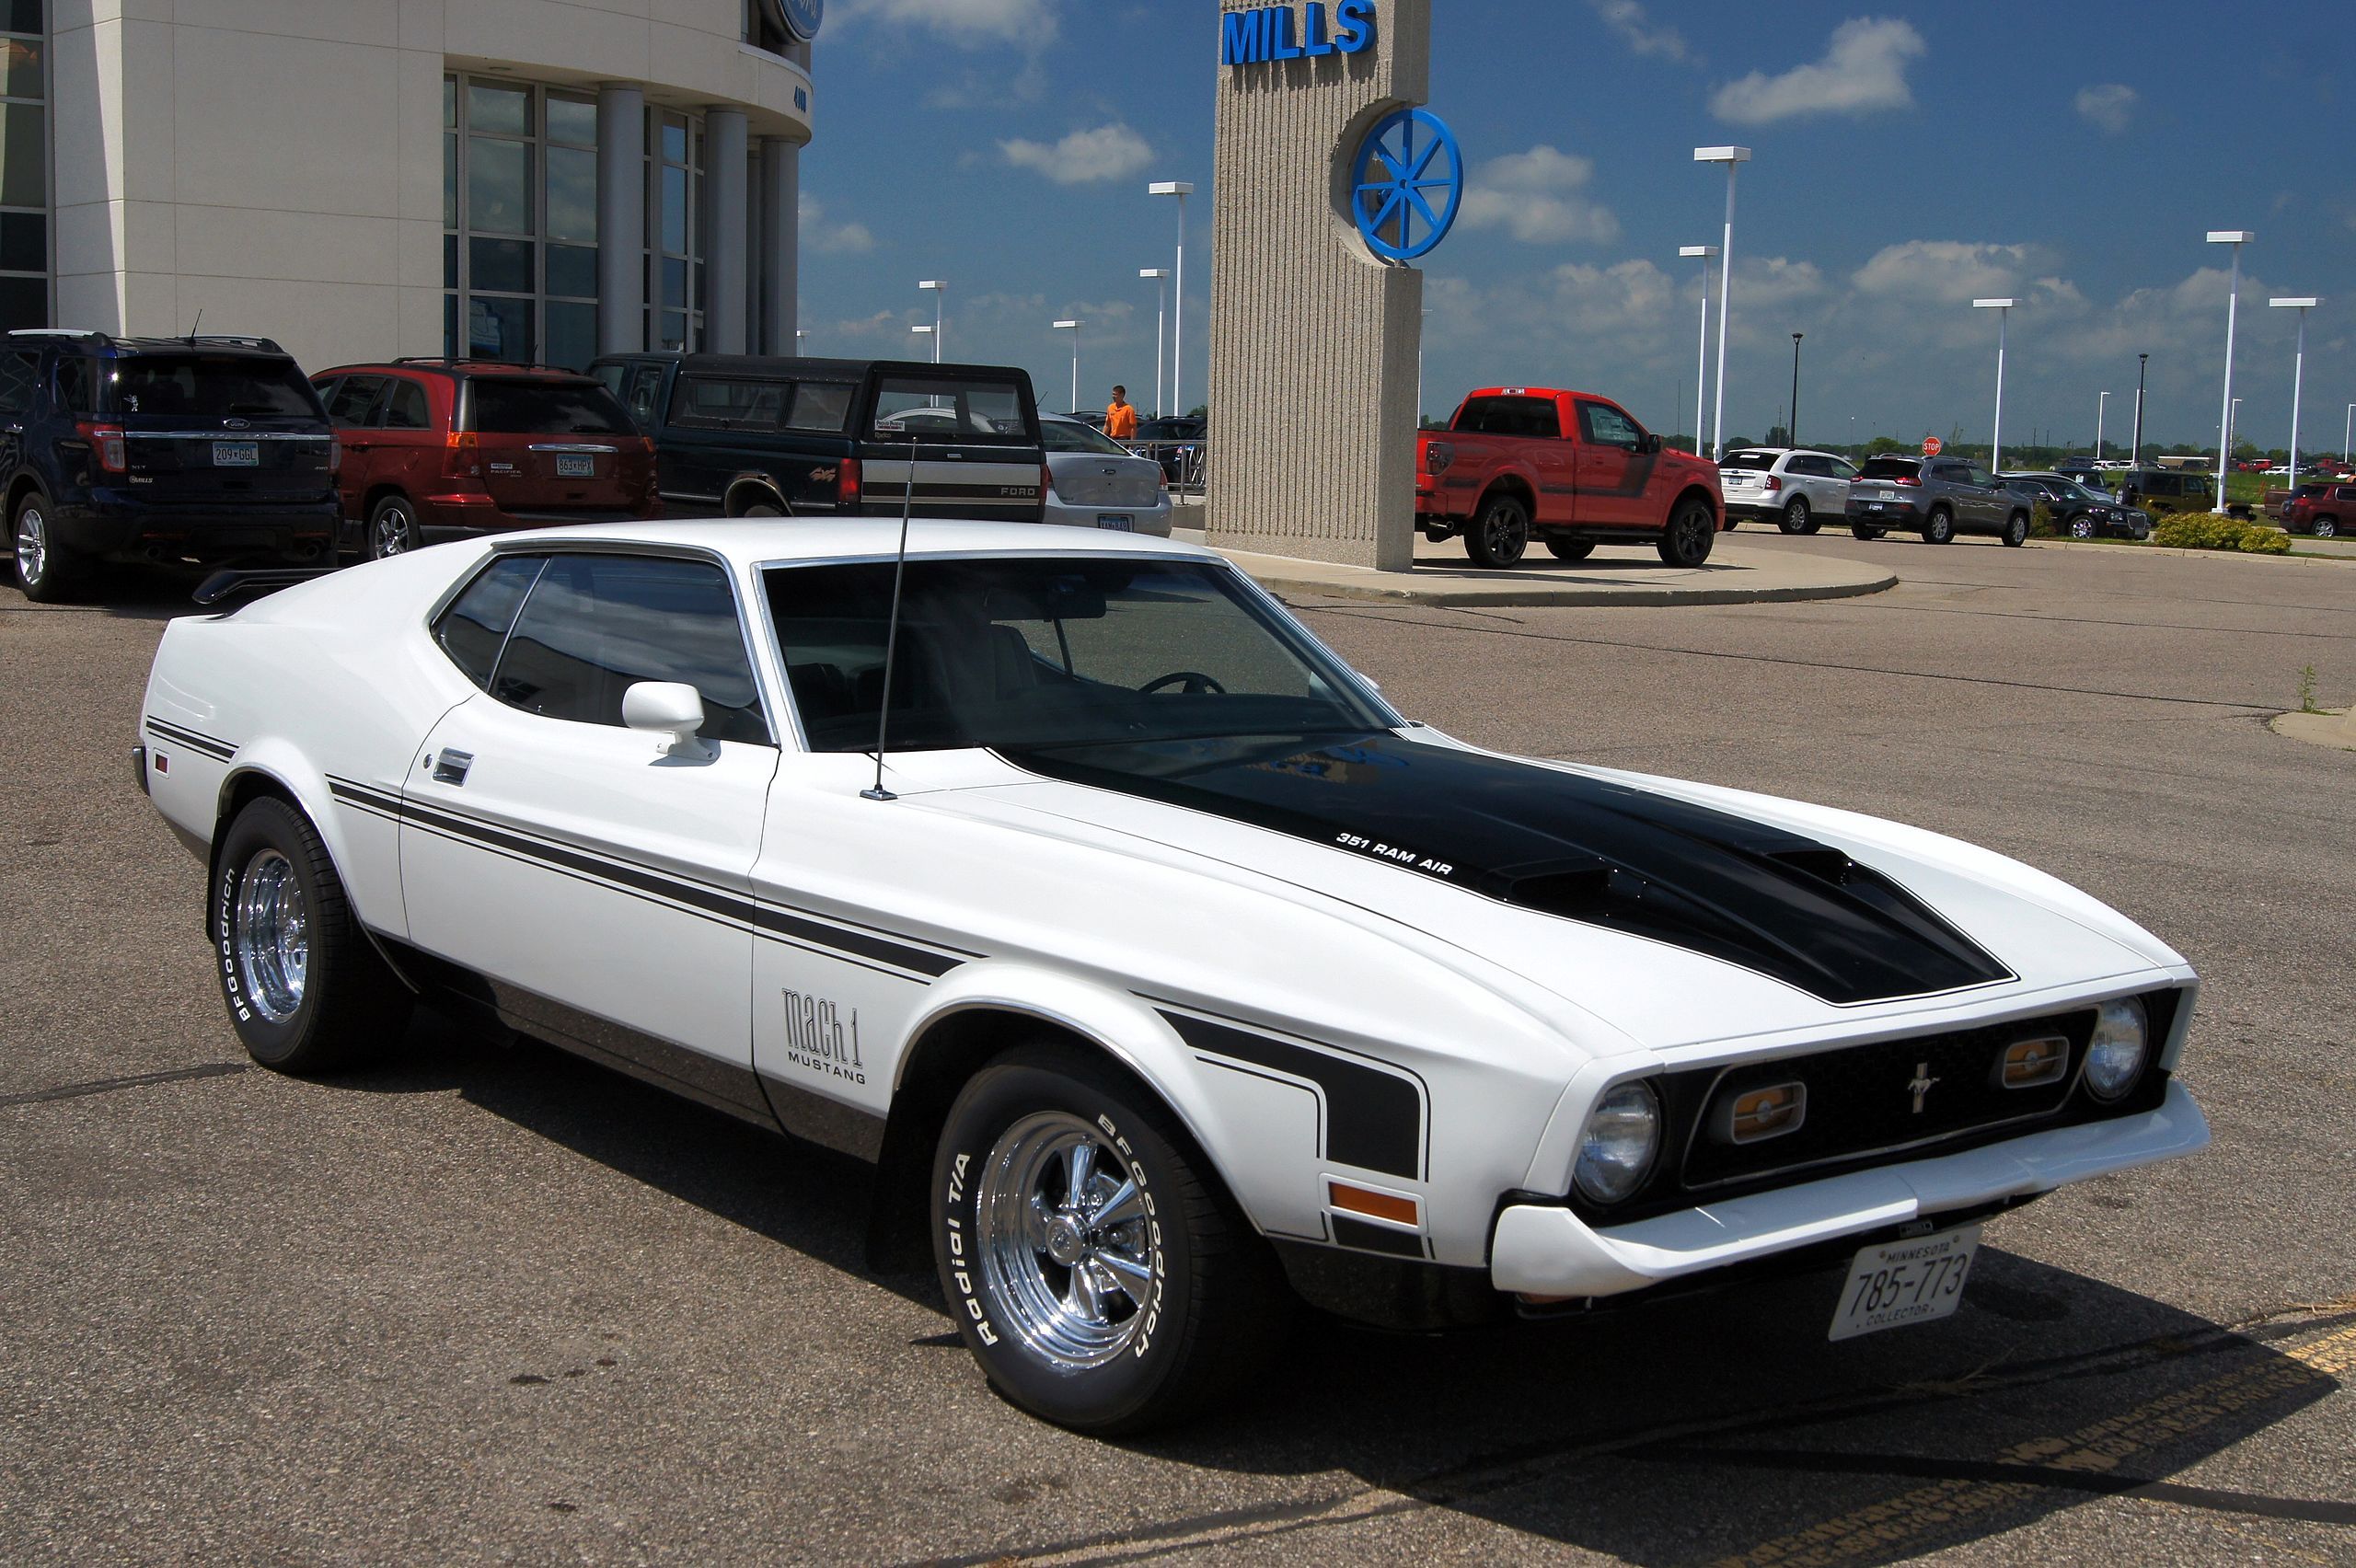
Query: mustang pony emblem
x,y
1922,1084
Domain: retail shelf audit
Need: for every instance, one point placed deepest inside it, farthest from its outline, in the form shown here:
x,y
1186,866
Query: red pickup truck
x,y
1570,467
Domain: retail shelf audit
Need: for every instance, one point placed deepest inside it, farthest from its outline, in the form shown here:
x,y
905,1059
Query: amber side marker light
x,y
1375,1206
2027,1063
1758,1114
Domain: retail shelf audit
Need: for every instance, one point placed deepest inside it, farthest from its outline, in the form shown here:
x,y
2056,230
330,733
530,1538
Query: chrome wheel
x,y
32,545
389,533
269,933
2082,526
1068,1251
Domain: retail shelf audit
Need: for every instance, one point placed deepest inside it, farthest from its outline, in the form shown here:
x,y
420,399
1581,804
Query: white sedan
x,y
1169,974
1093,481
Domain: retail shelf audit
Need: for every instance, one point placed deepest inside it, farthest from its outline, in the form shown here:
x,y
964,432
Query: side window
x,y
76,388
1806,467
1536,417
645,392
19,376
354,401
612,375
731,403
1607,426
820,405
596,625
471,630
408,408
1843,470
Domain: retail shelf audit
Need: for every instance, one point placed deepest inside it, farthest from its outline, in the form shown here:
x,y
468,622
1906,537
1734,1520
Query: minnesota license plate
x,y
1912,1281
236,455
575,466
1121,520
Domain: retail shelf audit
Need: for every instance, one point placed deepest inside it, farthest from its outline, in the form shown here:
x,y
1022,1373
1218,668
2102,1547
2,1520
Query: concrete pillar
x,y
725,266
1313,338
780,244
621,219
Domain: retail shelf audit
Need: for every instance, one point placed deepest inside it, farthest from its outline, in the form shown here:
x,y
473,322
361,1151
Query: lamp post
x,y
1180,189
2102,401
2003,309
1733,158
1420,370
2298,375
939,289
1702,354
2137,455
799,333
1073,328
1161,276
2233,418
2236,238
2347,426
1792,426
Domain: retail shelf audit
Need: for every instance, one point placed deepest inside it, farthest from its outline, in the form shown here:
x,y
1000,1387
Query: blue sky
x,y
1906,159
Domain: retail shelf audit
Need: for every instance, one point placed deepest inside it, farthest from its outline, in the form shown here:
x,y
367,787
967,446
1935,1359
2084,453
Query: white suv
x,y
1791,487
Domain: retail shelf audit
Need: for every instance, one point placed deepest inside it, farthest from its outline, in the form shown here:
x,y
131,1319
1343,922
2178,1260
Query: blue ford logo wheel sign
x,y
1408,185
800,18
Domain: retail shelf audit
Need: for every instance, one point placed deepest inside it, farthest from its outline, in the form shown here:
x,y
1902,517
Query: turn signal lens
x,y
847,494
1379,1205
1761,1113
1617,1147
2116,1055
109,445
2027,1063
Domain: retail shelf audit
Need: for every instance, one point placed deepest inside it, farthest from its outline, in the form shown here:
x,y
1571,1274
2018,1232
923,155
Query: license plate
x,y
576,466
1121,520
236,455
1913,1281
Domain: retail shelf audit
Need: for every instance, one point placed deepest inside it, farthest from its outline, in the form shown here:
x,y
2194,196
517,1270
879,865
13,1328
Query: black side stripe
x,y
221,751
766,919
1374,1119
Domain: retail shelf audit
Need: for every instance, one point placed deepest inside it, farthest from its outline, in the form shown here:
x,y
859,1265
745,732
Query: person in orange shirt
x,y
1121,416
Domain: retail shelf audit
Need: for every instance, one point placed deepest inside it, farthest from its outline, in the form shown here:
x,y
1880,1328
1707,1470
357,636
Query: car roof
x,y
808,369
752,541
488,369
108,343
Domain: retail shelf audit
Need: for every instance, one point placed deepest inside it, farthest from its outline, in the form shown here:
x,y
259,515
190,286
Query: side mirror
x,y
1652,444
668,708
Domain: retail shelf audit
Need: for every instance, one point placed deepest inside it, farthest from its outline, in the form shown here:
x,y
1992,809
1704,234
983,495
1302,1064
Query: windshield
x,y
1071,435
1748,460
1036,653
545,408
211,385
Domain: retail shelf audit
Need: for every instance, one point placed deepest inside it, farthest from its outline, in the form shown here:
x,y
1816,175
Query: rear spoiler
x,y
223,586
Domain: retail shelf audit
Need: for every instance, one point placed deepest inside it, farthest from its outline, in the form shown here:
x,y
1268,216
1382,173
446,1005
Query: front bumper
x,y
1545,1249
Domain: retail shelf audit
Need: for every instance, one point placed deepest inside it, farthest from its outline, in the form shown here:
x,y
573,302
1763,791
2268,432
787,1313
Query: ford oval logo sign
x,y
800,18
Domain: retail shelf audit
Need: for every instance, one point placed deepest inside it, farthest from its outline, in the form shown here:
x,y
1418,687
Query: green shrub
x,y
2042,525
2206,531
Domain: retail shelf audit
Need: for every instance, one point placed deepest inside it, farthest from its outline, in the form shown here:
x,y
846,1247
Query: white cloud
x,y
967,23
1628,22
831,239
1942,271
1534,196
1109,151
2108,105
1864,70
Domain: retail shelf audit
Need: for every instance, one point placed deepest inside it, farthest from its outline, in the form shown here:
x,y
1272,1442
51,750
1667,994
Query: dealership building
x,y
522,180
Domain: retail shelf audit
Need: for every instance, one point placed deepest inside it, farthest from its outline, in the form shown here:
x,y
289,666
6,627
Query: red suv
x,y
2321,509
442,449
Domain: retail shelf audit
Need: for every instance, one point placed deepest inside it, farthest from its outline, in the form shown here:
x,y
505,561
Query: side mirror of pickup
x,y
1652,444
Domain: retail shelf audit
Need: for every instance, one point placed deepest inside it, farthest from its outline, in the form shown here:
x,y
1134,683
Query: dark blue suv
x,y
208,450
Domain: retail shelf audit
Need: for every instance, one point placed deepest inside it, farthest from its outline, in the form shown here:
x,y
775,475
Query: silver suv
x,y
1939,497
1790,487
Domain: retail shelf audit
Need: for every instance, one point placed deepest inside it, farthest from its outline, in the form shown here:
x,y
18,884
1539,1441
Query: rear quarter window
x,y
474,627
502,407
982,412
1890,468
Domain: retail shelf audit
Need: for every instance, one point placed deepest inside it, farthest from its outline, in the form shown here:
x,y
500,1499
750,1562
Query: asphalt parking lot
x,y
486,1304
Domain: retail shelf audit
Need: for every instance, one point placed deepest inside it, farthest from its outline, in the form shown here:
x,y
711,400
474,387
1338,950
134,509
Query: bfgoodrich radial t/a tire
x,y
306,993
1093,1267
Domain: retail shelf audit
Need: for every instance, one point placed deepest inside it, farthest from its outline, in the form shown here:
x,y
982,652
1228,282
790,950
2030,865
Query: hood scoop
x,y
1562,844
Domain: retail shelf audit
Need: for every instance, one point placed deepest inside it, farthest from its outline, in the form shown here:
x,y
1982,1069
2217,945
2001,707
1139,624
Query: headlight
x,y
2114,1055
1616,1149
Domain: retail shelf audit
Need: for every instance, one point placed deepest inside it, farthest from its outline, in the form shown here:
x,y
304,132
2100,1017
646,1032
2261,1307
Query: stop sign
x,y
1930,446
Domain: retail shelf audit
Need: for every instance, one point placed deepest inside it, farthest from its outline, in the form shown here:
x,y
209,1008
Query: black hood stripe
x,y
1563,843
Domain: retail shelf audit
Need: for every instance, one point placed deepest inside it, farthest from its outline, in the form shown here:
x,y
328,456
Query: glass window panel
x,y
449,182
504,109
24,302
499,186
22,15
573,269
449,325
472,629
675,211
24,161
502,266
24,242
21,67
406,408
674,140
572,335
449,103
499,329
674,329
355,401
572,120
573,194
449,260
19,378
674,284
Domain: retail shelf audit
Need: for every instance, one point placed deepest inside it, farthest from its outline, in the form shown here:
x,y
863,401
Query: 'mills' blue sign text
x,y
1250,38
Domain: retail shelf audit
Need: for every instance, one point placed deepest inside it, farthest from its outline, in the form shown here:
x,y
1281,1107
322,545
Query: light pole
x,y
1792,427
1161,276
2101,401
1733,158
929,332
1073,328
2298,375
1180,189
2236,238
2003,309
1702,354
2347,426
2136,457
799,333
2233,418
939,289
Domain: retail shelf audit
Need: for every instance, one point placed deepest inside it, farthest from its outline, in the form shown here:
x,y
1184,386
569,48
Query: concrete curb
x,y
2130,550
1735,576
2337,731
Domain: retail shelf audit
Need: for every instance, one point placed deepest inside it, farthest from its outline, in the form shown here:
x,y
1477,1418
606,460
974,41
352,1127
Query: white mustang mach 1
x,y
1167,971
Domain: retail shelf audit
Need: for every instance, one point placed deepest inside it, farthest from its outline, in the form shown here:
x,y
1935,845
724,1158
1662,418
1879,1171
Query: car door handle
x,y
451,766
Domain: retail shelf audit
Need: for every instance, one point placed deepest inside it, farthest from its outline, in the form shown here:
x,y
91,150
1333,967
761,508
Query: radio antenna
x,y
891,636
193,326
